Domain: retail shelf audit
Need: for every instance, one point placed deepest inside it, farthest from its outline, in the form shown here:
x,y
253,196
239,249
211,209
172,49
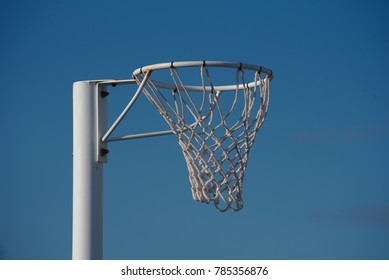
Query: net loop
x,y
215,128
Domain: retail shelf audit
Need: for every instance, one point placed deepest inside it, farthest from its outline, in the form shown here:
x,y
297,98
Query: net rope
x,y
215,131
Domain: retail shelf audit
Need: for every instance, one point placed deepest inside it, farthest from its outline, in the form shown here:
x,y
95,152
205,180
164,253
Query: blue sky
x,y
317,182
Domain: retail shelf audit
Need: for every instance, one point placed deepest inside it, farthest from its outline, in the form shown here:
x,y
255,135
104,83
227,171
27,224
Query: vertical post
x,y
89,116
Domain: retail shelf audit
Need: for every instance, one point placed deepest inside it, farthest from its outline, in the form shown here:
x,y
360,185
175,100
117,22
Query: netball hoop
x,y
215,110
215,123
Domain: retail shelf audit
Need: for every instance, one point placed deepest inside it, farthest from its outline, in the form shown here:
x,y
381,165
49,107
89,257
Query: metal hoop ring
x,y
220,64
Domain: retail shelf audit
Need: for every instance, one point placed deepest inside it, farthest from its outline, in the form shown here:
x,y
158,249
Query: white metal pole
x,y
87,172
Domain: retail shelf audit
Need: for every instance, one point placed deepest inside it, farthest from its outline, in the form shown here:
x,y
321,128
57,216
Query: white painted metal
x,y
221,64
140,135
117,82
89,126
87,171
224,64
128,107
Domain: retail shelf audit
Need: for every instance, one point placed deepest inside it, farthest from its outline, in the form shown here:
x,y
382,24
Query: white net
x,y
215,128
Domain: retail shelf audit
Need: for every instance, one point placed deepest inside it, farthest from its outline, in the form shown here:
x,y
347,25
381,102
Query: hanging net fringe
x,y
215,130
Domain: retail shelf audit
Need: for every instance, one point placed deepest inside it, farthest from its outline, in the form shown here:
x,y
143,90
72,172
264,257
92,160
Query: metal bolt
x,y
104,151
104,93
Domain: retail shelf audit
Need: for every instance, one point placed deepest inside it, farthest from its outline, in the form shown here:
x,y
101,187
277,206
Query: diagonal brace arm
x,y
128,107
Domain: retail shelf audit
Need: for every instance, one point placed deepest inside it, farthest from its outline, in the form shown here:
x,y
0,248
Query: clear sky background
x,y
317,182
